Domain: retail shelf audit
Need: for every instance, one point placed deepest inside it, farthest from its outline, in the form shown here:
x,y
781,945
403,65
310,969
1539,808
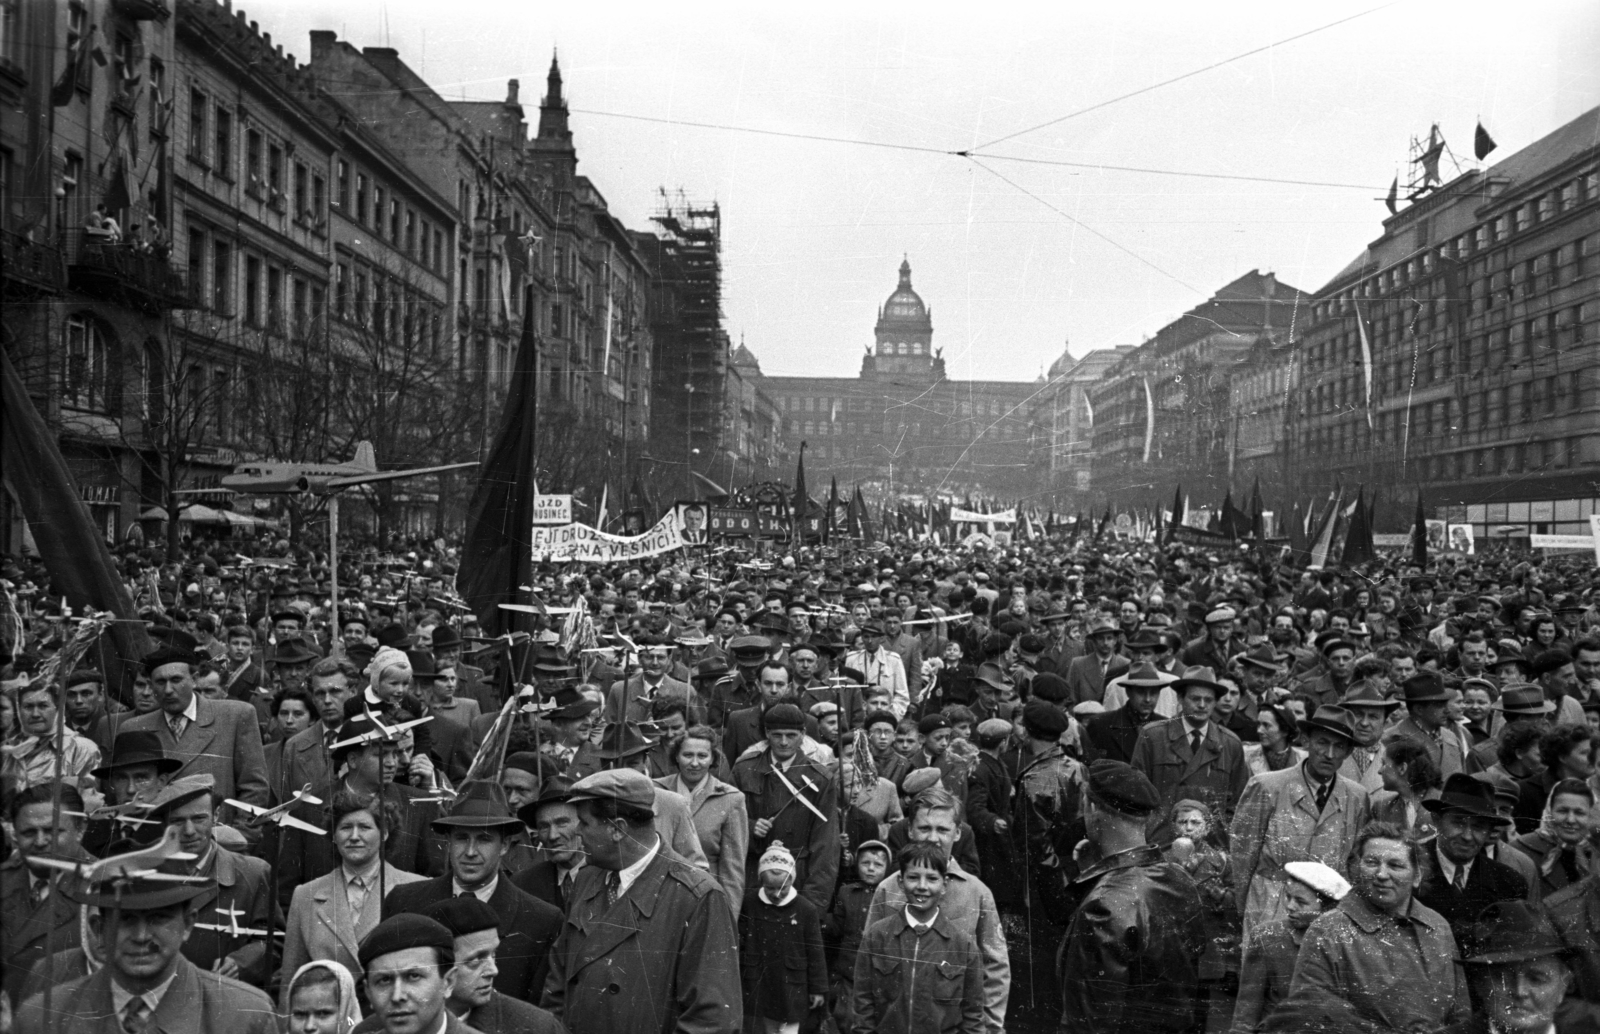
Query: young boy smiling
x,y
915,972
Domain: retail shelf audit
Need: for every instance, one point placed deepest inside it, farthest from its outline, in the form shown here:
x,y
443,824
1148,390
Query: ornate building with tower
x,y
902,427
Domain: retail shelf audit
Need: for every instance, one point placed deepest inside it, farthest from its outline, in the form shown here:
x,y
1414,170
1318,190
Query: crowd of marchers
x,y
1088,786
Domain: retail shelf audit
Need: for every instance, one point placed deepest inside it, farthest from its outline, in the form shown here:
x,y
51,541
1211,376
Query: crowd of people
x,y
1088,786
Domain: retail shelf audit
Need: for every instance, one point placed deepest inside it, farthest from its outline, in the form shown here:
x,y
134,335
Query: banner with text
x,y
552,509
587,545
960,516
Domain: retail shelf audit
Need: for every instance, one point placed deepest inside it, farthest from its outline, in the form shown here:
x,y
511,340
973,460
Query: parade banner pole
x,y
333,562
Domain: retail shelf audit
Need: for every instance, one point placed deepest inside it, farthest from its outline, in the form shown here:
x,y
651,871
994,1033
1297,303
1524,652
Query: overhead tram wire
x,y
1186,75
974,159
947,152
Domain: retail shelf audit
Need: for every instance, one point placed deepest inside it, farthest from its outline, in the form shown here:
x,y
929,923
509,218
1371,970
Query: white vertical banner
x,y
1594,529
1149,420
1366,359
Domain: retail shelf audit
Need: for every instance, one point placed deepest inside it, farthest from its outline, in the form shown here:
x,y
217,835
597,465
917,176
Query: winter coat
x,y
781,960
911,982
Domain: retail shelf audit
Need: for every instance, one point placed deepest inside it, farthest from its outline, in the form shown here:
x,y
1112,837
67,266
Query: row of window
x,y
1581,189
893,424
1497,409
381,210
270,298
902,348
268,171
1516,458
833,406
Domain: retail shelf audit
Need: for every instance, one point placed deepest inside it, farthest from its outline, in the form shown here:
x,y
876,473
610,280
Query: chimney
x,y
511,91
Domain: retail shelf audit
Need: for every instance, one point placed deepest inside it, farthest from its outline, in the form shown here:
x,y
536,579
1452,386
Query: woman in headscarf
x,y
322,1000
1560,847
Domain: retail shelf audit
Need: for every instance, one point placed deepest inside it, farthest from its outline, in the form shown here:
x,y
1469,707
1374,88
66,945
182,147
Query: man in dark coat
x,y
1462,881
1112,735
793,800
1218,646
1128,962
1191,756
477,827
36,919
1087,674
649,943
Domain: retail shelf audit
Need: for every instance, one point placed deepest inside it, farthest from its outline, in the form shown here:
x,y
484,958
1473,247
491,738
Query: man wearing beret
x,y
145,983
1128,962
409,962
791,799
473,1000
477,828
649,943
220,738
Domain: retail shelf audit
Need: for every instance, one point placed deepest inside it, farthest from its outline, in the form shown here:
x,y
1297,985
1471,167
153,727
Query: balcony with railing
x,y
133,274
30,266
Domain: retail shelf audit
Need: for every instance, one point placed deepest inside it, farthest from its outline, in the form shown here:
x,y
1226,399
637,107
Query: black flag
x,y
1419,536
497,555
1482,142
1393,200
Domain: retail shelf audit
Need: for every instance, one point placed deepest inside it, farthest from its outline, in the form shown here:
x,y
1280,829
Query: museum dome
x,y
905,306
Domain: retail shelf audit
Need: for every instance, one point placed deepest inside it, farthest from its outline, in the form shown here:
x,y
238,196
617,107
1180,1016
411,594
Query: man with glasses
x,y
629,699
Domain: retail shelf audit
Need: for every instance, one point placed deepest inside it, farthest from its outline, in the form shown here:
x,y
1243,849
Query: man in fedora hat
x,y
1575,911
1519,973
221,738
1428,721
1518,703
1192,756
625,746
137,771
1086,675
1461,881
1369,716
145,983
1114,734
554,822
1144,647
477,829
471,681
1305,813
650,942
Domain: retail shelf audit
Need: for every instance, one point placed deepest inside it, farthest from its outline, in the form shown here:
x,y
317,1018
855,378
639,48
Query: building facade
x,y
902,428
1164,413
1065,417
1478,306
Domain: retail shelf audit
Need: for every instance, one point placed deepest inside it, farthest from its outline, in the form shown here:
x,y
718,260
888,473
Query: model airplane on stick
x,y
379,731
134,865
232,927
280,814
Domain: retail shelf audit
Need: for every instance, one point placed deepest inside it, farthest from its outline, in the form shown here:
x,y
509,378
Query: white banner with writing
x,y
552,509
957,514
588,545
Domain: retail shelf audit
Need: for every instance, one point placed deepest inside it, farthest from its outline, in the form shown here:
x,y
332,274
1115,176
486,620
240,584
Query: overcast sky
x,y
813,231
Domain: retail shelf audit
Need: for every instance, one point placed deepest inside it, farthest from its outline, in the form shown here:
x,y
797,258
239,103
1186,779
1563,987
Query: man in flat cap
x,y
1219,645
238,884
477,828
1128,962
145,983
409,962
649,943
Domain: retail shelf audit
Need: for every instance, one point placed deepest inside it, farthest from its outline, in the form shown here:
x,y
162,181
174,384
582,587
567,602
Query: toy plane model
x,y
140,864
232,927
267,478
527,608
381,732
280,814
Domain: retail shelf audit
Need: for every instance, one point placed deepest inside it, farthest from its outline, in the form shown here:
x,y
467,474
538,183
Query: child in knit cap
x,y
848,921
780,949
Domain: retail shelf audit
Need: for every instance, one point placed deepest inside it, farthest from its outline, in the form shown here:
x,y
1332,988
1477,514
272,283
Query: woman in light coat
x,y
718,808
322,925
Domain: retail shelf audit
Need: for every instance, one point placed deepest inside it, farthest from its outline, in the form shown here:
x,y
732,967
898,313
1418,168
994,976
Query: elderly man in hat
x,y
1428,721
1369,712
553,819
1128,962
650,942
238,884
409,967
219,738
1519,971
792,799
1087,674
1192,755
1219,645
1461,880
477,829
1575,911
880,667
145,983
1306,813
